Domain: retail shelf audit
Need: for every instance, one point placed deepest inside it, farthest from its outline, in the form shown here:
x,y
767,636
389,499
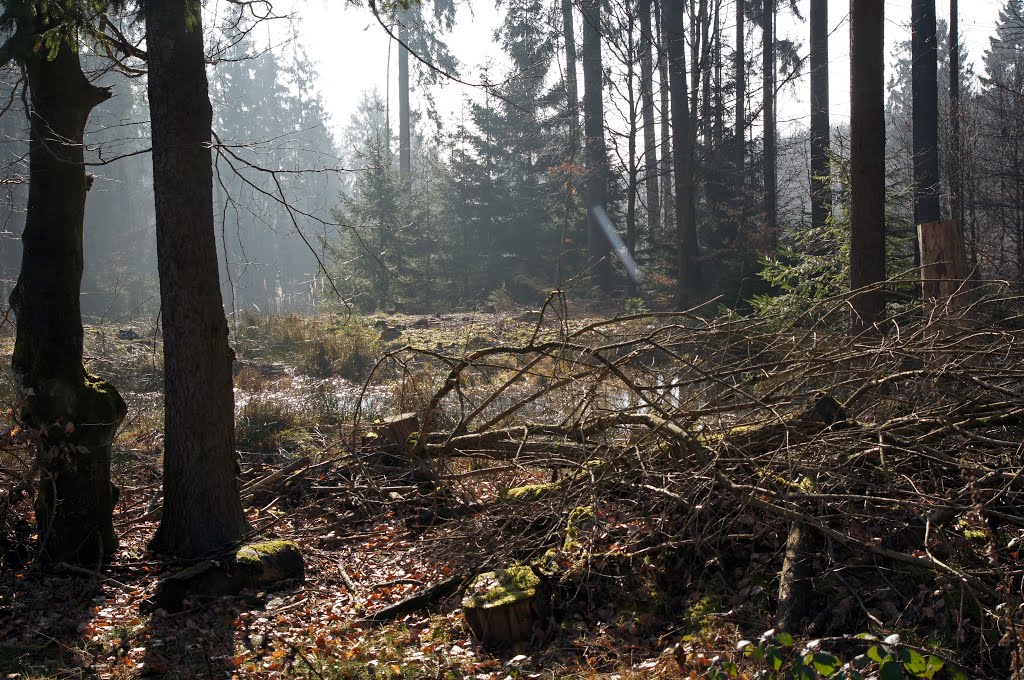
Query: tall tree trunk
x,y
706,68
404,115
76,414
770,195
572,90
633,166
651,174
695,26
821,182
956,157
925,90
741,119
689,289
668,203
573,111
202,511
719,105
598,247
867,161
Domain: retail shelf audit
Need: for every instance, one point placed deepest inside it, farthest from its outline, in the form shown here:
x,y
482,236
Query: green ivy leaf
x,y
875,654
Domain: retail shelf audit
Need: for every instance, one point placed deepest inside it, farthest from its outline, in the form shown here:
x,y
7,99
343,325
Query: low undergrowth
x,y
321,346
691,447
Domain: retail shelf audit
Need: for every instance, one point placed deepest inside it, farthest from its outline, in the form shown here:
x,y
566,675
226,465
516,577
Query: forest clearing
x,y
664,472
584,339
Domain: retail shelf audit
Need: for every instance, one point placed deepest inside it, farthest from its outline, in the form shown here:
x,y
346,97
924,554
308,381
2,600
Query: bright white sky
x,y
352,50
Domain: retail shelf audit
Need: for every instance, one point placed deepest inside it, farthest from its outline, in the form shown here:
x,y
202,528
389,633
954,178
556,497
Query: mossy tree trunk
x,y
202,508
75,414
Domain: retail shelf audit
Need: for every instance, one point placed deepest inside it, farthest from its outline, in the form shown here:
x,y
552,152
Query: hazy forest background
x,y
609,370
493,200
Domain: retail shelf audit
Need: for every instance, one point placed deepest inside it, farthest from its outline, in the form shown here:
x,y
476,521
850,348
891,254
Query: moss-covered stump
x,y
506,606
819,415
257,565
269,563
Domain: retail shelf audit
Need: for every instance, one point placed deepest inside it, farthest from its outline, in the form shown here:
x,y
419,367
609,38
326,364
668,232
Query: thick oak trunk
x,y
75,414
202,510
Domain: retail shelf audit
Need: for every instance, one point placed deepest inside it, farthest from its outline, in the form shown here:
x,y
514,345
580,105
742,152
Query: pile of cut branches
x,y
870,482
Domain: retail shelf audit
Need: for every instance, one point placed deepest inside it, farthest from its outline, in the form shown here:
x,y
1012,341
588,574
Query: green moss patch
x,y
501,587
531,492
581,519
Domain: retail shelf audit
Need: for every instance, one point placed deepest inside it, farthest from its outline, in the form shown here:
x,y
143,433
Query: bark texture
x,y
740,66
867,161
956,157
404,115
925,94
689,288
651,174
770,143
202,511
571,88
821,182
75,414
598,248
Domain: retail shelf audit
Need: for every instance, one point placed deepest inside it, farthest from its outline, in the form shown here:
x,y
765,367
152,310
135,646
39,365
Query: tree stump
x,y
505,606
257,565
943,270
396,430
824,412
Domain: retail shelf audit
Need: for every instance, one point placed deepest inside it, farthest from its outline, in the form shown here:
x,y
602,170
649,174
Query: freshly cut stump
x,y
505,606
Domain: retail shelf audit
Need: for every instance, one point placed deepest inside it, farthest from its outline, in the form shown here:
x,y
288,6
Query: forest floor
x,y
680,560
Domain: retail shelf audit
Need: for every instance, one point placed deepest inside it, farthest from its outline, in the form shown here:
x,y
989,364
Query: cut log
x,y
417,601
795,585
257,565
266,482
506,606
